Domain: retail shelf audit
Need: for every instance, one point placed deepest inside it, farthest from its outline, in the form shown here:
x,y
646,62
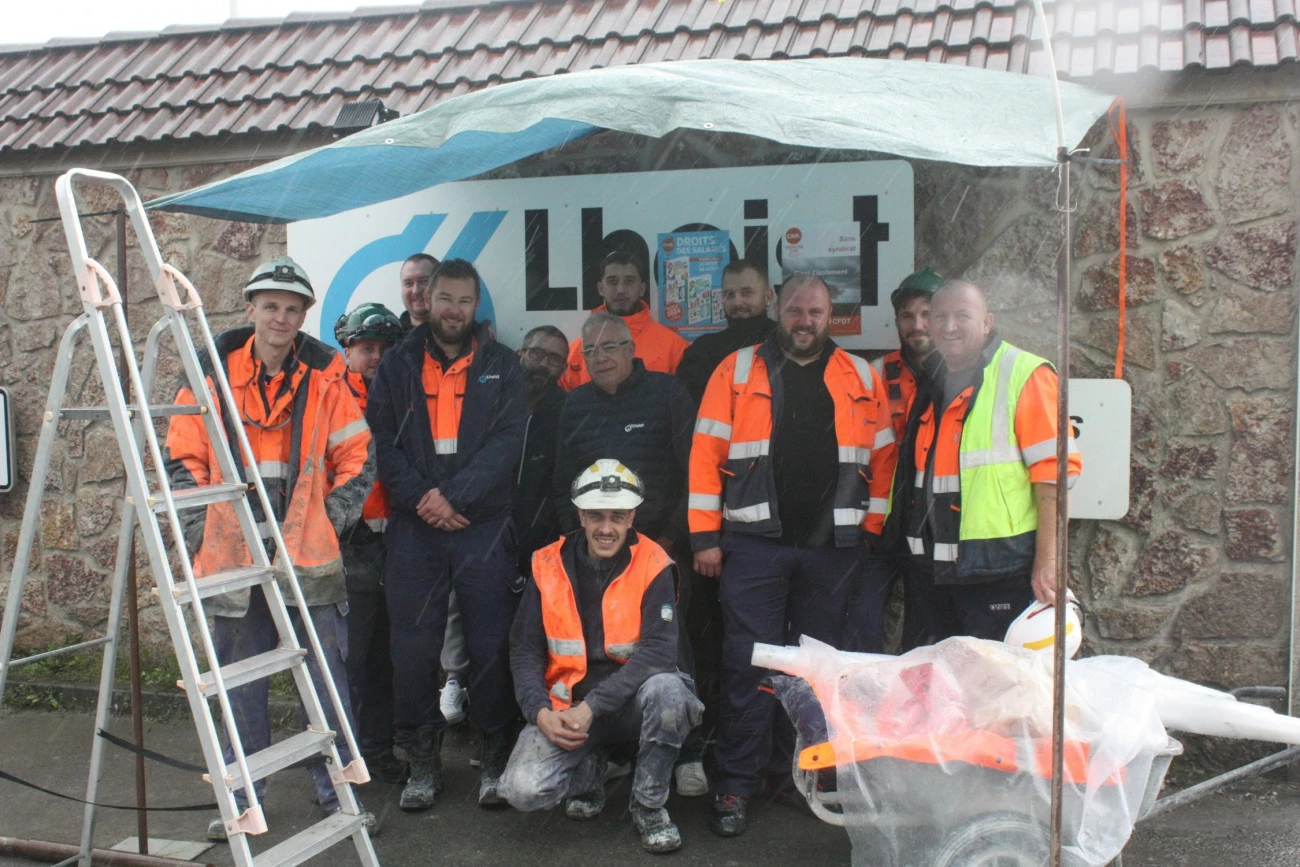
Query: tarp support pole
x,y
1062,500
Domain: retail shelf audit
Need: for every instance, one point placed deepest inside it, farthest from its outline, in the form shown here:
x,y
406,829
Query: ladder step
x,y
279,756
310,841
156,411
224,582
254,668
192,498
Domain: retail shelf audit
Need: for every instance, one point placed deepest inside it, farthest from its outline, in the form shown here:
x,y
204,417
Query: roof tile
x,y
296,73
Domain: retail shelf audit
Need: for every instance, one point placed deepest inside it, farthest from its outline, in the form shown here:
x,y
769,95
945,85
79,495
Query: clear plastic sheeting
x,y
942,757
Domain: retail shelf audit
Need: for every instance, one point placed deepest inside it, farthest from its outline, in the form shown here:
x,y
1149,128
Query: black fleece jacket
x,y
647,425
704,355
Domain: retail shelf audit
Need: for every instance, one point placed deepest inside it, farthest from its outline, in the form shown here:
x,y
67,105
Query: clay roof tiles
x,y
266,75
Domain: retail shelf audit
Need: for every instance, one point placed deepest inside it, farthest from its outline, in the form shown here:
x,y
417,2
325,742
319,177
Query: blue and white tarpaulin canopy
x,y
914,110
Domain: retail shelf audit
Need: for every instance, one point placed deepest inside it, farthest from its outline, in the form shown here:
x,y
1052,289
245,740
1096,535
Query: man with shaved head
x,y
981,478
788,488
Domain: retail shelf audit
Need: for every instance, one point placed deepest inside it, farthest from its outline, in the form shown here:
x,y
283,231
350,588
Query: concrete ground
x,y
1257,824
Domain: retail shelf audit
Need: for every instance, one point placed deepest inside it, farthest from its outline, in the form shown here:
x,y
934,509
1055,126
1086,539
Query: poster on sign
x,y
690,281
538,243
829,251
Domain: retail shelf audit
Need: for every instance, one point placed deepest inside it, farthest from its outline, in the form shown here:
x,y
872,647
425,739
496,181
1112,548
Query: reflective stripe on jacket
x,y
658,346
994,441
312,445
732,481
620,607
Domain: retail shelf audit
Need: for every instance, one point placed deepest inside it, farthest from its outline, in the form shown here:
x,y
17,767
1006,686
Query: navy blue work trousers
x,y
983,610
770,593
239,638
370,671
423,565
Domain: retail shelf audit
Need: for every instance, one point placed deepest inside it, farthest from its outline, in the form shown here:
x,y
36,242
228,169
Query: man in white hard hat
x,y
312,448
594,653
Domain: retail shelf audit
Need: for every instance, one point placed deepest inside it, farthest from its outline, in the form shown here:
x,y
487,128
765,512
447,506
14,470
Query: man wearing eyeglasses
x,y
312,449
448,410
623,286
642,417
542,359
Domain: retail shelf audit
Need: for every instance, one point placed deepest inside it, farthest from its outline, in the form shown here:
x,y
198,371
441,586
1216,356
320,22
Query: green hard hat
x,y
370,321
924,282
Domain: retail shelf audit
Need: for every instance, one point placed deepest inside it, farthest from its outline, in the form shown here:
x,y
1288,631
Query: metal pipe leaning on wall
x,y
40,850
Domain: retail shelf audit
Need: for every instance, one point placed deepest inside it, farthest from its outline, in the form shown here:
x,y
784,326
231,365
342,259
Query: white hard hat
x,y
1035,628
282,274
607,484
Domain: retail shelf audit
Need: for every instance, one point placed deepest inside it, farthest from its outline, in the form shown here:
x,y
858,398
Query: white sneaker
x,y
452,700
691,782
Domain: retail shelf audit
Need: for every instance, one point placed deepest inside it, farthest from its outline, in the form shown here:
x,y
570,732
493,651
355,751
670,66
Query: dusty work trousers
x,y
771,593
239,638
423,565
540,775
370,671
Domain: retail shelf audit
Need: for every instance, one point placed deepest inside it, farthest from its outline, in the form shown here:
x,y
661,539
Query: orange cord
x,y
1121,143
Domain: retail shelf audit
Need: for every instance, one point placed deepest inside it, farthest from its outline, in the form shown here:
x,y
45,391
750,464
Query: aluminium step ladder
x,y
149,501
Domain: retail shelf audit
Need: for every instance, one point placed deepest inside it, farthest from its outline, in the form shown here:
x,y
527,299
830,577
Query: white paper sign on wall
x,y
1101,412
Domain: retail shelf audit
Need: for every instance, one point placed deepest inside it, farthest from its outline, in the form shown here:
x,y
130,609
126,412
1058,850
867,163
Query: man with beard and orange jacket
x,y
448,408
789,485
623,285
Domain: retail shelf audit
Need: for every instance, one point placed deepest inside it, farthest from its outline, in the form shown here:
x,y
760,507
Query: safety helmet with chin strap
x,y
369,321
607,484
281,274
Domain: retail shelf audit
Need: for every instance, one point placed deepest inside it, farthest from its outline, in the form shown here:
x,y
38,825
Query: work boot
x,y
691,782
729,815
387,768
496,755
587,806
216,832
659,835
425,772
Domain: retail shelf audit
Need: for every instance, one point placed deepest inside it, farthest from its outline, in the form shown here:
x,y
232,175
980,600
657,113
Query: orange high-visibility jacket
x,y
900,389
376,510
658,346
311,443
620,607
732,481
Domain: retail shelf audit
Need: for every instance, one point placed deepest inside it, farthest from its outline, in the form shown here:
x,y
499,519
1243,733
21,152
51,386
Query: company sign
x,y
538,242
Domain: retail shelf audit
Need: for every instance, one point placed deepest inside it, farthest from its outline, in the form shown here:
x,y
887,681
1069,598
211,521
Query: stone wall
x,y
66,597
1195,577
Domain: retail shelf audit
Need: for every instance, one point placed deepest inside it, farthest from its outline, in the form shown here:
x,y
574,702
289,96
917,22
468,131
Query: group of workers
x,y
588,538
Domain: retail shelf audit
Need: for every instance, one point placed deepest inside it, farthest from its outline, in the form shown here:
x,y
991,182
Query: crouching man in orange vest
x,y
594,653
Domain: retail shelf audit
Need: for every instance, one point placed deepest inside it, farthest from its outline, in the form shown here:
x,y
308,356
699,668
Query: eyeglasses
x,y
609,347
537,355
